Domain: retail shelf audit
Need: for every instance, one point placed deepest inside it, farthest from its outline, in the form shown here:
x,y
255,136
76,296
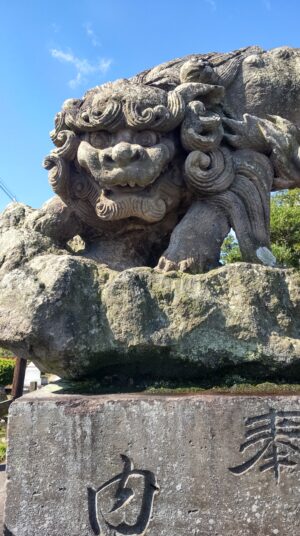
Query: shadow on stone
x,y
7,532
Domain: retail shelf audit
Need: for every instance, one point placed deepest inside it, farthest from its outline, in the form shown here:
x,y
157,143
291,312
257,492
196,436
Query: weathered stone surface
x,y
76,318
190,447
153,172
156,169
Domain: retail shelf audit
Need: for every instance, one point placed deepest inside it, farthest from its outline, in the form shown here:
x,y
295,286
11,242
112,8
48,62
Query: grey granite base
x,y
158,465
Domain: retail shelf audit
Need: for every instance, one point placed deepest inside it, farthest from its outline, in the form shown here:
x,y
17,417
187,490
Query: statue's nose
x,y
125,153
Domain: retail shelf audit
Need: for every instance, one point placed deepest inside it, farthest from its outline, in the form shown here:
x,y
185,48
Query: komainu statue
x,y
155,170
150,175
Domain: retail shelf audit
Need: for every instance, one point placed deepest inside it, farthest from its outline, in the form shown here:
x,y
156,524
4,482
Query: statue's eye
x,y
100,140
146,138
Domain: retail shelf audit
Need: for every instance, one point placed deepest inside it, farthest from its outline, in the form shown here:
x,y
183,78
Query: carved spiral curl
x,y
60,120
59,173
211,173
67,144
149,117
115,114
111,117
59,125
162,118
201,130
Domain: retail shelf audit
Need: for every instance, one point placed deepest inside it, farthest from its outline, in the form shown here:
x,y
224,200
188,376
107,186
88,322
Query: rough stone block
x,y
158,465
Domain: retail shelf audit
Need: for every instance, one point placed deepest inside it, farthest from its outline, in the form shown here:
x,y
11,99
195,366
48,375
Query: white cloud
x,y
83,67
77,81
212,3
91,35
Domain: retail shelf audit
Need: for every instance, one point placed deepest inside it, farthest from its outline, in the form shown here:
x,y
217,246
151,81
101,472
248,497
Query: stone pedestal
x,y
158,465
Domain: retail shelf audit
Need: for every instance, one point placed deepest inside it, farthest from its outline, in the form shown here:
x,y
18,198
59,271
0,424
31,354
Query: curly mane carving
x,y
172,154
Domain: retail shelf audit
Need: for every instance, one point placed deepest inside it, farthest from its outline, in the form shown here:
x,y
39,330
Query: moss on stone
x,y
168,388
265,388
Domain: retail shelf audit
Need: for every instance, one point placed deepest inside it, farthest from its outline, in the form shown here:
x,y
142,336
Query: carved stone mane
x,y
158,168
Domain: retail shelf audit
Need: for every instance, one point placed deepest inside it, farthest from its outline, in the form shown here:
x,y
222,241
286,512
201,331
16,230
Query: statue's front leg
x,y
196,241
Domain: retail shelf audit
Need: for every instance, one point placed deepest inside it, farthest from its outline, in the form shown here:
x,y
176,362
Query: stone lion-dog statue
x,y
155,170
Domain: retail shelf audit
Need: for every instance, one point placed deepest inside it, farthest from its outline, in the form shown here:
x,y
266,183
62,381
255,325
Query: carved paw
x,y
189,265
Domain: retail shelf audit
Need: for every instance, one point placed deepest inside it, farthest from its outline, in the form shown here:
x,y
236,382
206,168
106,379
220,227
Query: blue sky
x,y
53,50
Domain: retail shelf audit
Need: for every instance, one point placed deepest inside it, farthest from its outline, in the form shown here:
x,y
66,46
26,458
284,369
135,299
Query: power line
x,y
5,189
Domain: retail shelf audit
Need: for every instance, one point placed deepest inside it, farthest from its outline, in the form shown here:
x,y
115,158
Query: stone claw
x,y
188,265
165,265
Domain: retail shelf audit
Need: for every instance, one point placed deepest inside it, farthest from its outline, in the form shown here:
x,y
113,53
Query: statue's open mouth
x,y
115,206
131,186
123,201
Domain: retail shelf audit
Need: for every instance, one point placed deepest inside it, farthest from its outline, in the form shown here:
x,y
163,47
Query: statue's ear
x,y
199,70
208,94
199,81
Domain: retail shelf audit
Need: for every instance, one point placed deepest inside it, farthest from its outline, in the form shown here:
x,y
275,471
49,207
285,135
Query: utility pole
x,y
18,379
5,189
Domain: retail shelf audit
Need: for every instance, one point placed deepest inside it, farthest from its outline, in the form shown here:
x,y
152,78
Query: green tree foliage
x,y
285,227
6,371
5,353
285,231
230,250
